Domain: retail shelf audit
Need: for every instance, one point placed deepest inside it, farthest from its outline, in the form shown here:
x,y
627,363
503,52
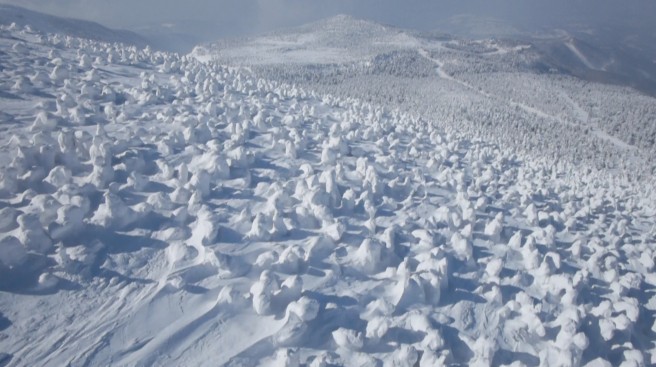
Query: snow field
x,y
158,210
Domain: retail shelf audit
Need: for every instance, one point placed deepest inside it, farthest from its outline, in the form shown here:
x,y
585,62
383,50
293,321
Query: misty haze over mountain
x,y
206,20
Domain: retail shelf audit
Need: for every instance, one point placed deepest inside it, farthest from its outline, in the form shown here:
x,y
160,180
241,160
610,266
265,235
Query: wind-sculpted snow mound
x,y
156,210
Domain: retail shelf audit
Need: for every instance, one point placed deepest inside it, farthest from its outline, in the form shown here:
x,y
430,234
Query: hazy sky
x,y
230,17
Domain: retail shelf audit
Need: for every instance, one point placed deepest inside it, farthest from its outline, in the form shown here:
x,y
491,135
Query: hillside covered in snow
x,y
160,209
521,93
44,23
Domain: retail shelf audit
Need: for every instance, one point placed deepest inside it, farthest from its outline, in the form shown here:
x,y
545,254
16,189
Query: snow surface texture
x,y
157,210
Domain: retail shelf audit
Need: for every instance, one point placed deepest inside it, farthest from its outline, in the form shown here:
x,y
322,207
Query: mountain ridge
x,y
68,26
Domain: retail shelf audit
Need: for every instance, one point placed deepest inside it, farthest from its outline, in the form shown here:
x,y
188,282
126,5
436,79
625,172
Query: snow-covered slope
x,y
516,93
594,57
614,53
73,27
157,210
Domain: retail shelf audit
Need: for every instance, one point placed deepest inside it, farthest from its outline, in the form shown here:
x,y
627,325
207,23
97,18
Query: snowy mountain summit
x,y
330,41
159,209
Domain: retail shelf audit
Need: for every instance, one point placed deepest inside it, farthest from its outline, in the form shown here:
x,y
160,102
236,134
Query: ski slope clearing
x,y
157,210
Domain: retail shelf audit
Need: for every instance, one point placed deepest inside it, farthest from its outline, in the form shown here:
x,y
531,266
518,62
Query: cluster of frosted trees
x,y
503,98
